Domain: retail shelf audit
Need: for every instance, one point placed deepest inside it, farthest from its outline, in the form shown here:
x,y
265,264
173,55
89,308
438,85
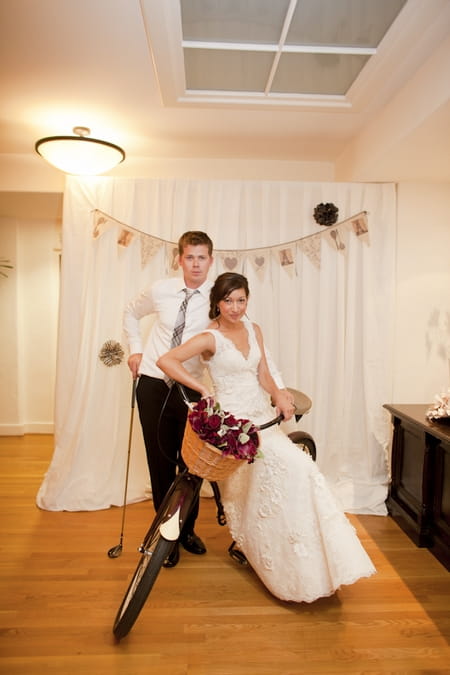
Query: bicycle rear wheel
x,y
141,584
305,442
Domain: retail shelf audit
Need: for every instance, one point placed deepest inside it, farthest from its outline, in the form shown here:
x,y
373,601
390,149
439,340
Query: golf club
x,y
115,551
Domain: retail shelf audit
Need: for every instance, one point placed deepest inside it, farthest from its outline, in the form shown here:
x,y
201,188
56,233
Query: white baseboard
x,y
22,429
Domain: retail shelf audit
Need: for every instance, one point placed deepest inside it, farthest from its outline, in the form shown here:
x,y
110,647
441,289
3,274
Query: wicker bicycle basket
x,y
203,459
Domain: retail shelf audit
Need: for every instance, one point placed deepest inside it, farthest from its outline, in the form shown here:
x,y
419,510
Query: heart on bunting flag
x,y
230,263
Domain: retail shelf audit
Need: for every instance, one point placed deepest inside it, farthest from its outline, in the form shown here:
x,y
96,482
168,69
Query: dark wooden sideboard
x,y
419,494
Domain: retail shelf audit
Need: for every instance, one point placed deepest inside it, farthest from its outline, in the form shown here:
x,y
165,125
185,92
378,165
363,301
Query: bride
x,y
280,510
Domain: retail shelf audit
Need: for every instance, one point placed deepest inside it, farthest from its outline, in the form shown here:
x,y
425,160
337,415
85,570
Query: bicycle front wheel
x,y
140,586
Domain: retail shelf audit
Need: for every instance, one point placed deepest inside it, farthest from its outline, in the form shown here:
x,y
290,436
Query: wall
x,y
10,406
422,337
408,138
29,301
29,173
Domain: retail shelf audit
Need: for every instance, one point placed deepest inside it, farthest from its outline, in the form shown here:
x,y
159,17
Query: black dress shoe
x,y
192,543
173,557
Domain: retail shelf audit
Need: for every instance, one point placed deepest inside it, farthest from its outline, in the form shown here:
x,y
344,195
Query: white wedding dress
x,y
279,509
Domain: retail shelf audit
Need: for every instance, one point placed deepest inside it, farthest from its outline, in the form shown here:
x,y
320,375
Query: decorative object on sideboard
x,y
440,410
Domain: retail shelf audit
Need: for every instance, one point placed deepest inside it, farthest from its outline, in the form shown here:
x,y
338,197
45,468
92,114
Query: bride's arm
x,y
171,362
281,398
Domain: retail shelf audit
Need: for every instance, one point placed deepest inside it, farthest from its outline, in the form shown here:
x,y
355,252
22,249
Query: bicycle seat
x,y
301,401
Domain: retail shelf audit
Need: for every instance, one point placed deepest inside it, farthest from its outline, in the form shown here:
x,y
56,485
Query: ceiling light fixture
x,y
79,154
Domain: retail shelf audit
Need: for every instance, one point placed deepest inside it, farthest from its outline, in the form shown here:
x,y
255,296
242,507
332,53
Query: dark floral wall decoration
x,y
326,214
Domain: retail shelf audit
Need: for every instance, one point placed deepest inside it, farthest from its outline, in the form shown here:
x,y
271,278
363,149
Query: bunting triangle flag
x,y
258,259
311,247
149,247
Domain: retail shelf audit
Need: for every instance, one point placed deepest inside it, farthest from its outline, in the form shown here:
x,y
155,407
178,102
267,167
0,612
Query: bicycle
x,y
168,522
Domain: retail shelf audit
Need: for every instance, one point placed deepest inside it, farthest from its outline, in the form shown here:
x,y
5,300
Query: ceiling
x,y
299,80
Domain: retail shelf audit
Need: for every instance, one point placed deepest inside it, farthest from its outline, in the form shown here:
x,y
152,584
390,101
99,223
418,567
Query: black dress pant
x,y
163,414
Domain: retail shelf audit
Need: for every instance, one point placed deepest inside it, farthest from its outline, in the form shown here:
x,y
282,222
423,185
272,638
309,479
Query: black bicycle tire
x,y
126,618
310,446
304,440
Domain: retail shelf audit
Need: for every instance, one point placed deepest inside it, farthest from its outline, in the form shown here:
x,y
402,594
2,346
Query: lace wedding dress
x,y
279,509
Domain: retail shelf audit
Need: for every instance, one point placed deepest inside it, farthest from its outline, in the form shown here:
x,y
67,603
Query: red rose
x,y
214,422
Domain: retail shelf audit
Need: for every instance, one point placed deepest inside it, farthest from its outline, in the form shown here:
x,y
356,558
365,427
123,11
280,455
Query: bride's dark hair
x,y
225,284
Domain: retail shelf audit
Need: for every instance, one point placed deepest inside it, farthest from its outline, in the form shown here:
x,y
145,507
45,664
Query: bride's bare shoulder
x,y
256,328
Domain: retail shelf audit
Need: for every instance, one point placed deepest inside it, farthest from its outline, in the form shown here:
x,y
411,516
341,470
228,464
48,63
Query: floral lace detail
x,y
300,545
270,488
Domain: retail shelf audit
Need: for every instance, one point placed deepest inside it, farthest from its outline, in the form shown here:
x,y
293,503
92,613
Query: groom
x,y
179,314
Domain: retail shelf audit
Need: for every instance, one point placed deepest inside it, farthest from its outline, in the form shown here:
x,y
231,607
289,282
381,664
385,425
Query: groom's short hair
x,y
194,238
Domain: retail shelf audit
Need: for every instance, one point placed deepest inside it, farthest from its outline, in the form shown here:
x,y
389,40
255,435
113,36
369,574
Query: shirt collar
x,y
203,289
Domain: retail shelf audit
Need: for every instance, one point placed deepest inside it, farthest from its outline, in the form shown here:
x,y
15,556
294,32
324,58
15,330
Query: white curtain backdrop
x,y
327,319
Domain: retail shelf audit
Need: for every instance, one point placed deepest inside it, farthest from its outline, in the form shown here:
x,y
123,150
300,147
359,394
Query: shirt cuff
x,y
135,347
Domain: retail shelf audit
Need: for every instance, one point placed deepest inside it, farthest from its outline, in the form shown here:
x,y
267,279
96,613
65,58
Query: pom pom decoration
x,y
111,353
326,214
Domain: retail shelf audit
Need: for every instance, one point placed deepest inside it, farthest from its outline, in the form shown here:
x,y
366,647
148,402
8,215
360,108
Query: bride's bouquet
x,y
232,436
225,439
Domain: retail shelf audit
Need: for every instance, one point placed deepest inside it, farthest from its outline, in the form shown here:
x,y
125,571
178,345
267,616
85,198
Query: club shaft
x,y
130,436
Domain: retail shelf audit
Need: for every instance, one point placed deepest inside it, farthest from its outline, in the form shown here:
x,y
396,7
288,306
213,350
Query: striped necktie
x,y
181,318
179,324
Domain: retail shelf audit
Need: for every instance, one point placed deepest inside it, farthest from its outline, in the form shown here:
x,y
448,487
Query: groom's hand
x,y
134,362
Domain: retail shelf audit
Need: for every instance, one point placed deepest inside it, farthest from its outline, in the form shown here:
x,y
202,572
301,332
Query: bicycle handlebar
x,y
276,420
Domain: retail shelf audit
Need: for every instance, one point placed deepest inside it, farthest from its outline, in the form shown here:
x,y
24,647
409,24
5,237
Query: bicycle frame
x,y
182,495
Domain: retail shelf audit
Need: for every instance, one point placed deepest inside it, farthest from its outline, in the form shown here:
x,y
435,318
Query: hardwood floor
x,y
208,616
